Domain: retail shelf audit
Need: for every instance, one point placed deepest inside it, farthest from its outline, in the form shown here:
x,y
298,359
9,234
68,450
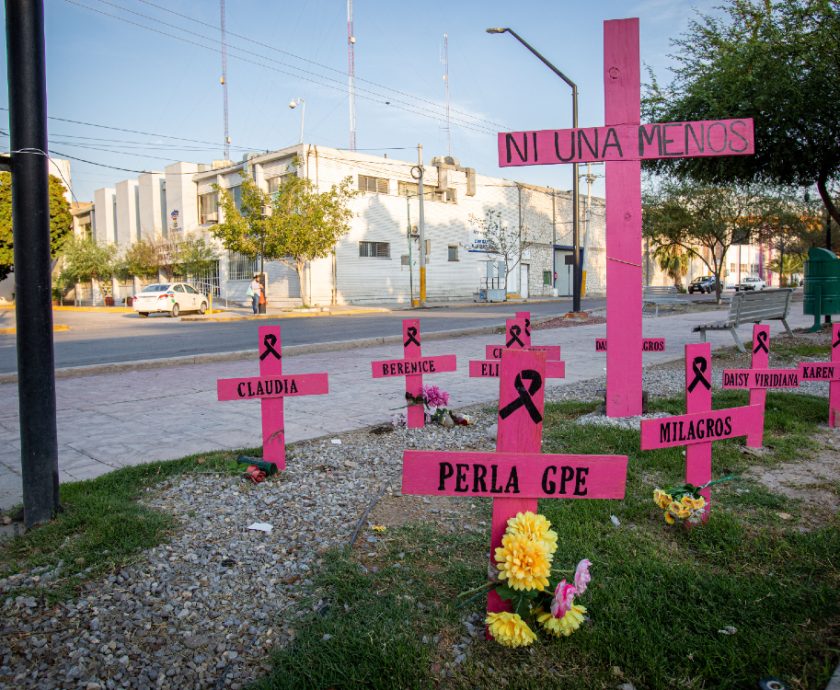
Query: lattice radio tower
x,y
223,79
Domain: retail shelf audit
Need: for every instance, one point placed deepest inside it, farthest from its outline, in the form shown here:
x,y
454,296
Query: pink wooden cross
x,y
648,344
517,337
827,371
412,367
271,387
517,474
759,377
701,426
623,143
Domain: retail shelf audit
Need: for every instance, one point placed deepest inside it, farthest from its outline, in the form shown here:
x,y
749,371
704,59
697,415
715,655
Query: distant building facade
x,y
378,260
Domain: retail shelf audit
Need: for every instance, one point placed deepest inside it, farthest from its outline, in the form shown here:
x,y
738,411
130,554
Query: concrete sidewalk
x,y
111,420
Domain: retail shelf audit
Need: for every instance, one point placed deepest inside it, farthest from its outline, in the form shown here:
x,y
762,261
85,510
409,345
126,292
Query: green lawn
x,y
658,598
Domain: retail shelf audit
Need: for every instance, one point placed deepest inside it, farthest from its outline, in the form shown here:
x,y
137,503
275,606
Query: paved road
x,y
96,338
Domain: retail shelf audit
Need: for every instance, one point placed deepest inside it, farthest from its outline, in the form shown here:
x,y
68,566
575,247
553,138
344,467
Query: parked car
x,y
751,283
701,285
169,297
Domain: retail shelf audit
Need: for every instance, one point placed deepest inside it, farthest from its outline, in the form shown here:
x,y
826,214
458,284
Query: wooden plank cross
x,y
648,344
271,387
622,144
759,377
701,426
517,474
412,367
827,371
517,337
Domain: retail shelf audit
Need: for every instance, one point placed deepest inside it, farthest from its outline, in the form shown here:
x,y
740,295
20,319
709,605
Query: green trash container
x,y
822,284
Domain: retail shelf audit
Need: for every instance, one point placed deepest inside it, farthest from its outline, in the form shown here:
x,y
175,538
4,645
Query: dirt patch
x,y
567,322
815,481
449,514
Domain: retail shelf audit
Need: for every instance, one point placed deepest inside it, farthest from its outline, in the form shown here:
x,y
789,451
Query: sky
x,y
153,66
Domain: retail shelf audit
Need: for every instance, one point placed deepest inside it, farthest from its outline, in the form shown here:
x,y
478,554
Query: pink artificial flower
x,y
564,597
435,397
582,576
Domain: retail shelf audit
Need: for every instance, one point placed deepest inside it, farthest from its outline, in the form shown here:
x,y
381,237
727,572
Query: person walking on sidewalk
x,y
254,292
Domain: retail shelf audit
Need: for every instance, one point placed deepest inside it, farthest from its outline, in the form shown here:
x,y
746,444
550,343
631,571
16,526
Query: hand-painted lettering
x,y
446,471
461,477
580,481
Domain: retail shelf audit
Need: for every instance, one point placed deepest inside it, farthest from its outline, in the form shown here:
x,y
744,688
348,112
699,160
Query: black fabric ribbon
x,y
699,366
412,332
525,398
515,330
528,327
761,337
269,341
836,343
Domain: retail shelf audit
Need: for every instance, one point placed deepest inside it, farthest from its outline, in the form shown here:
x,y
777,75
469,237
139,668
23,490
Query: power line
x,y
314,77
321,65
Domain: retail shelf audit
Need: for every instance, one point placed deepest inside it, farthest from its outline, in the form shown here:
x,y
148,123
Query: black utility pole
x,y
31,225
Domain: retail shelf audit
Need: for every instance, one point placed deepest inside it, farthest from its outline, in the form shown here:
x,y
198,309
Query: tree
x,y
140,259
776,62
502,240
194,256
672,259
695,217
295,225
61,222
85,260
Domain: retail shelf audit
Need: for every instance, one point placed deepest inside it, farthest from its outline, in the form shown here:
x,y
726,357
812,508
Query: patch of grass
x,y
100,528
658,601
784,347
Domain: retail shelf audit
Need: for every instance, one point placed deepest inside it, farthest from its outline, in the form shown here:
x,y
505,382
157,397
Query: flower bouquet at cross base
x,y
435,402
522,575
683,503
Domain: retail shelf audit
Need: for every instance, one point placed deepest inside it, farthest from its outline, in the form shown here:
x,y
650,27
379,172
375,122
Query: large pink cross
x,y
827,371
271,387
701,425
517,474
623,143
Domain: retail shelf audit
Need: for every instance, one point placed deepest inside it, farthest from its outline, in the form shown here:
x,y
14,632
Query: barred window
x,y
376,185
379,250
241,267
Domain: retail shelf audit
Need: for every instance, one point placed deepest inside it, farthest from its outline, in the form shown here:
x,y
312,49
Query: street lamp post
x,y
575,189
294,103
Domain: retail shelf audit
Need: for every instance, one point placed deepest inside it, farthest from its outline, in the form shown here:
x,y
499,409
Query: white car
x,y
169,297
751,283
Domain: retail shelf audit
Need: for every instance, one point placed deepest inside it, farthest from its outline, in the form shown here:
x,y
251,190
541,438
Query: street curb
x,y
283,315
137,365
57,328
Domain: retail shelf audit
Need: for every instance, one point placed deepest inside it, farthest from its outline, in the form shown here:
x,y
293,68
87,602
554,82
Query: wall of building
x,y
128,212
105,217
152,202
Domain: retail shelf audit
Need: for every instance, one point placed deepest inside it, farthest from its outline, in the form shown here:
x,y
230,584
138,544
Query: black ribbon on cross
x,y
269,341
515,330
836,343
412,332
528,327
525,398
699,366
761,337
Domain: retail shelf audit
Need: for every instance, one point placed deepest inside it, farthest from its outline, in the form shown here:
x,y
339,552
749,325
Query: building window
x,y
274,183
404,260
546,277
236,195
375,185
429,193
208,208
453,252
241,267
379,250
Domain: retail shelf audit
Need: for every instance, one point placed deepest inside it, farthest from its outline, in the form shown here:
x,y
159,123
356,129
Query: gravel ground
x,y
203,609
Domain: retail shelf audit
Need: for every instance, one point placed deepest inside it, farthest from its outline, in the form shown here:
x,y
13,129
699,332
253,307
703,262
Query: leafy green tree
x,y
777,62
86,260
295,225
194,256
502,240
672,259
140,259
61,222
704,220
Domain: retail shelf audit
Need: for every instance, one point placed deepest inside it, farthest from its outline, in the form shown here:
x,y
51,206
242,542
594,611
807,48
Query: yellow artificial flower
x,y
564,626
509,630
524,563
661,498
535,527
679,510
669,518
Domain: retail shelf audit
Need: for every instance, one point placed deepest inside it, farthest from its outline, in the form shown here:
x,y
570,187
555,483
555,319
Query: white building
x,y
377,261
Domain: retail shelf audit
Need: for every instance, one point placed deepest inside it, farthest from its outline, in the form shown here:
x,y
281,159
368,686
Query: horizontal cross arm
x,y
699,427
513,475
413,367
761,378
627,142
272,386
489,368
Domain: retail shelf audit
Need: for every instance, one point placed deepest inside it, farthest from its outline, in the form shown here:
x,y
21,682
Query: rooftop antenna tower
x,y
446,88
223,79
351,74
